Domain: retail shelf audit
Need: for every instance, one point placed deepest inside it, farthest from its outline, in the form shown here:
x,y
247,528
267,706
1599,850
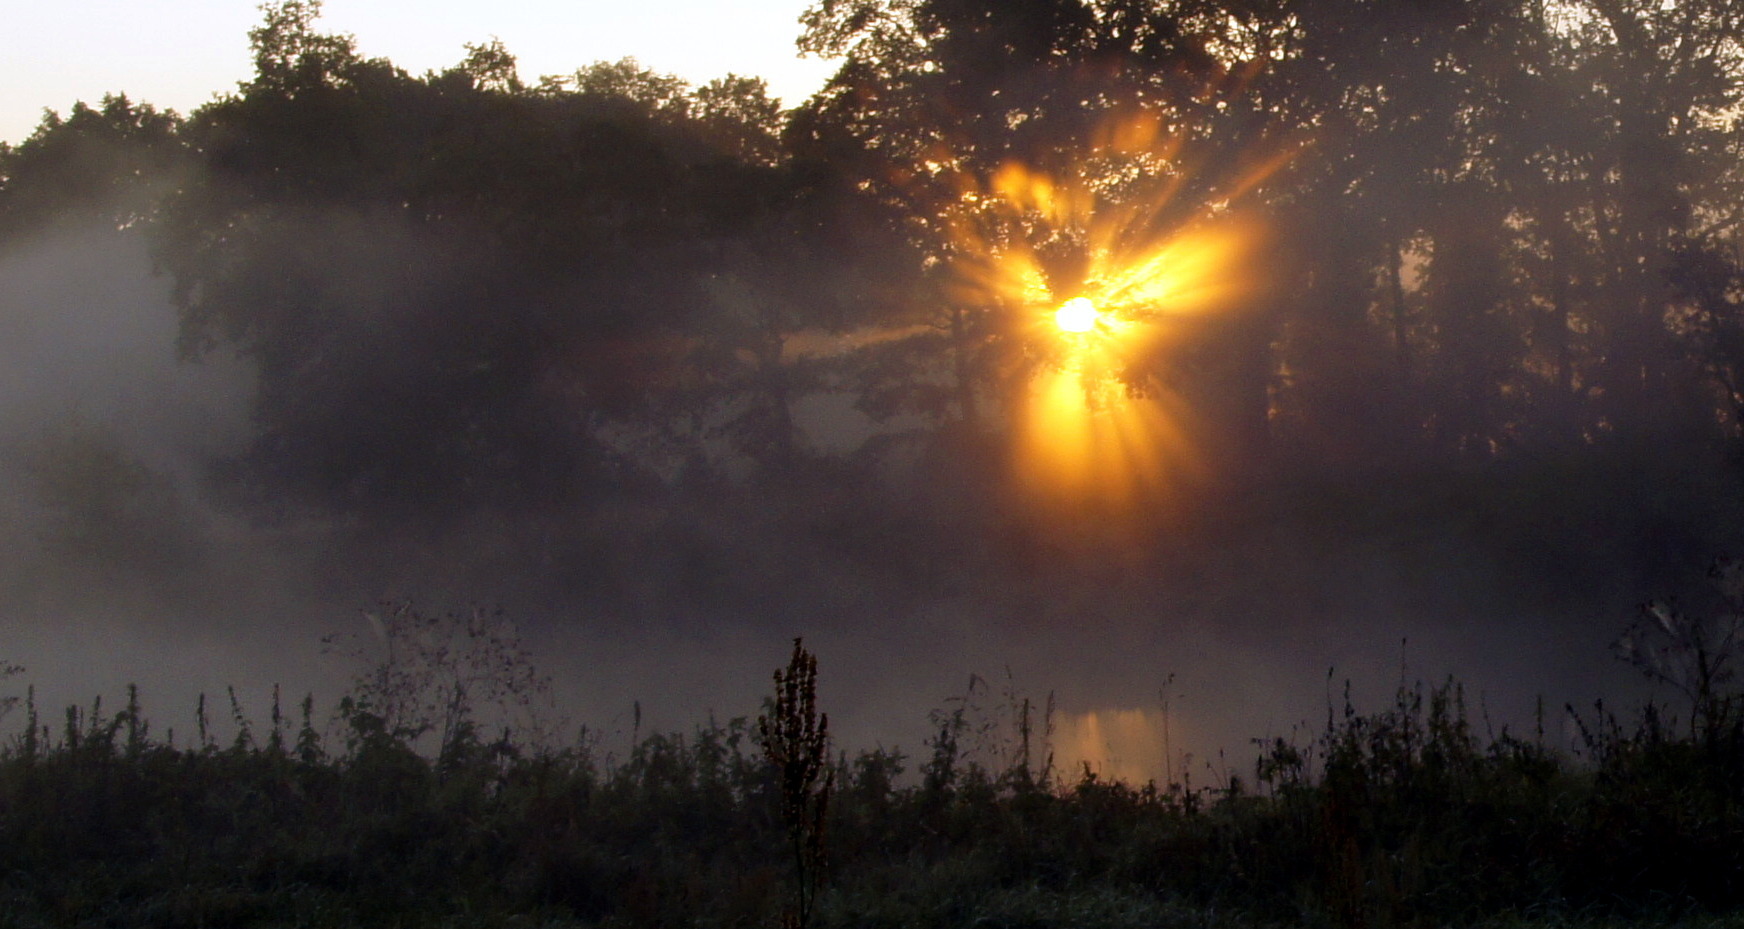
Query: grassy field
x,y
402,811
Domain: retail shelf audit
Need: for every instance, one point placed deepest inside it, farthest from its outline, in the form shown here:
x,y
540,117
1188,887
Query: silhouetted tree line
x,y
1499,231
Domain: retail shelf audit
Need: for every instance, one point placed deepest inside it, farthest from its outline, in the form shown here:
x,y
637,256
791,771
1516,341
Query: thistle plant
x,y
795,740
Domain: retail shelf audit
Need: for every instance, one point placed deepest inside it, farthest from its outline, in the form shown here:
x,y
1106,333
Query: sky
x,y
178,54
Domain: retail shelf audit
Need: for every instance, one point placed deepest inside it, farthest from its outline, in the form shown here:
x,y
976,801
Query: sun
x,y
1078,314
1104,262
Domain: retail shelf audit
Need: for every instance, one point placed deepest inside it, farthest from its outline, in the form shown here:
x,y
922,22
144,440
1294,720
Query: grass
x,y
1399,817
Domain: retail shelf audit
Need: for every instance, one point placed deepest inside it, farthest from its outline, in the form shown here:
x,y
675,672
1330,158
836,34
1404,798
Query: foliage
x,y
1695,654
1400,817
1502,233
111,164
427,674
1506,269
9,702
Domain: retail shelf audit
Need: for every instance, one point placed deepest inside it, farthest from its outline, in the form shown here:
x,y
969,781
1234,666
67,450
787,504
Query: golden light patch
x,y
1102,266
1078,314
1086,443
1130,745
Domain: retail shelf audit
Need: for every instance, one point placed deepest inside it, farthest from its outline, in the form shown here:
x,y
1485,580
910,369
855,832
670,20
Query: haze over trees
x,y
630,341
1502,227
1454,347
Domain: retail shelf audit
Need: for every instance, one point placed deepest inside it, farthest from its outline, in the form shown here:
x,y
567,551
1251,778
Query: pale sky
x,y
178,54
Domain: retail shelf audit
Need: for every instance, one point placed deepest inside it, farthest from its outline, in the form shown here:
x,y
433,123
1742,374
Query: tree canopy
x,y
1493,230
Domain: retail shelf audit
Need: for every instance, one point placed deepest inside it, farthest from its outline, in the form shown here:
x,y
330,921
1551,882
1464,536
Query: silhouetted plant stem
x,y
795,739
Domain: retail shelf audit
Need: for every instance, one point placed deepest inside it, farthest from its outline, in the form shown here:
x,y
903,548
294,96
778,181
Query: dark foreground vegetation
x,y
1406,816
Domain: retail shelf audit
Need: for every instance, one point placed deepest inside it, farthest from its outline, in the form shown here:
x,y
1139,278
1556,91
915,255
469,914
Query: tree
x,y
456,285
491,67
110,165
291,56
742,120
1032,151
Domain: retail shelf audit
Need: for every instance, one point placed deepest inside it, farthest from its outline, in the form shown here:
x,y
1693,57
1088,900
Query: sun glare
x,y
1102,263
1078,314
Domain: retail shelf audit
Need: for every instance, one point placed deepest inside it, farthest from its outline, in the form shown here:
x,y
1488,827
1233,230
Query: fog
x,y
1243,621
673,377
